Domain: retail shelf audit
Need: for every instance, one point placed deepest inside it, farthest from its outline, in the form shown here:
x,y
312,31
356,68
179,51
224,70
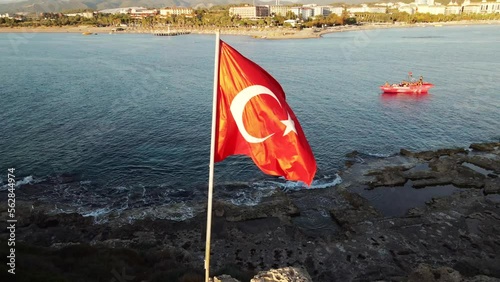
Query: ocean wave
x,y
26,180
252,196
379,155
326,182
126,204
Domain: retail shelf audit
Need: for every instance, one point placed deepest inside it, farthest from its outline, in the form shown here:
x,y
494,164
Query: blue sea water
x,y
132,112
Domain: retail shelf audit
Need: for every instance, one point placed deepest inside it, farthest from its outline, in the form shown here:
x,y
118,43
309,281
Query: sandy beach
x,y
263,33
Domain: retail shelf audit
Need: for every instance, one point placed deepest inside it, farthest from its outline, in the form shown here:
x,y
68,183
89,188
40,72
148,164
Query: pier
x,y
170,33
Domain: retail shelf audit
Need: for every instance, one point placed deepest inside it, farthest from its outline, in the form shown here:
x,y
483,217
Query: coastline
x,y
333,234
261,33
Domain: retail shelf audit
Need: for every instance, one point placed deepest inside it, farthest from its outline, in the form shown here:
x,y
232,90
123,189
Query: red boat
x,y
410,88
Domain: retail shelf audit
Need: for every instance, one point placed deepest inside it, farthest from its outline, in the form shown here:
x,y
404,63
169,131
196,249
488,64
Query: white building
x,y
142,13
249,12
87,15
437,10
471,8
362,9
278,10
321,11
365,9
125,10
302,12
307,13
337,10
430,9
490,7
407,8
176,11
453,8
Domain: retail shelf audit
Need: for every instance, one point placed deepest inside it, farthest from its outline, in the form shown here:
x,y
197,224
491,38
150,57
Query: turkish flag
x,y
254,119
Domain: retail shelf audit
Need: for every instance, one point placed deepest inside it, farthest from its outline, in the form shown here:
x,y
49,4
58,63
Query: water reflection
x,y
389,98
396,201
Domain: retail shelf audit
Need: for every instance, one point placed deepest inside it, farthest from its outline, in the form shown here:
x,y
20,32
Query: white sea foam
x,y
326,182
316,184
25,180
379,155
249,197
96,213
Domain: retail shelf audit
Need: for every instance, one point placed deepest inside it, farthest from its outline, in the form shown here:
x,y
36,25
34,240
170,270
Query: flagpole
x,y
212,158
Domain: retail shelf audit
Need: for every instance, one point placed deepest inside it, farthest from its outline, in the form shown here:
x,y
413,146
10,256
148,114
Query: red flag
x,y
254,119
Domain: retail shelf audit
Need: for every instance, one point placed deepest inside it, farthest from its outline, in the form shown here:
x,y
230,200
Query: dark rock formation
x,y
336,234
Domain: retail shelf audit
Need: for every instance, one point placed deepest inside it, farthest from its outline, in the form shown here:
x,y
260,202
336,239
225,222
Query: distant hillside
x,y
64,5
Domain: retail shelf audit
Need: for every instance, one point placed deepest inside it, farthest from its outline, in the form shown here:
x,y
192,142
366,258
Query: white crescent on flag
x,y
238,106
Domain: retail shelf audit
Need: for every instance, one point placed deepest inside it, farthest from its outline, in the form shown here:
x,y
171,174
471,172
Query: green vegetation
x,y
397,16
218,16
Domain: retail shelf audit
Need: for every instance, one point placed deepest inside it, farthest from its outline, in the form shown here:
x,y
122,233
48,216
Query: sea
x,y
128,116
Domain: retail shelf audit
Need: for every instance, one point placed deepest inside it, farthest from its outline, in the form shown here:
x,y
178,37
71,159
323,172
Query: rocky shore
x,y
340,233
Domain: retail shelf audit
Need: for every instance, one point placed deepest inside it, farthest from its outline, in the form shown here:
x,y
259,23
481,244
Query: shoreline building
x,y
125,10
249,12
337,10
87,15
467,7
176,11
302,12
366,9
143,13
453,8
321,11
278,10
483,7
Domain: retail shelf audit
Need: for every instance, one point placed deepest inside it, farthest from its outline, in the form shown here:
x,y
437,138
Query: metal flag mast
x,y
212,158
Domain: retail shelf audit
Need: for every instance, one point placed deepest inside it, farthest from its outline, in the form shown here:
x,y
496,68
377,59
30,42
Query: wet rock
x,y
279,205
486,163
429,155
419,175
352,155
406,153
485,147
422,273
357,211
467,178
390,176
492,186
439,180
426,273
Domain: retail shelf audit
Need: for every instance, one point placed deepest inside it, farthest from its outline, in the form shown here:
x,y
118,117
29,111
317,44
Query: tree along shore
x,y
255,32
218,17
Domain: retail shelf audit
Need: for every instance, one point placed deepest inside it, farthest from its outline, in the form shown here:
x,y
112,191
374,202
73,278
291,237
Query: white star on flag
x,y
290,125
